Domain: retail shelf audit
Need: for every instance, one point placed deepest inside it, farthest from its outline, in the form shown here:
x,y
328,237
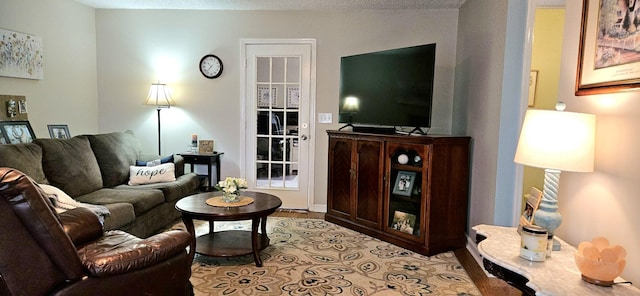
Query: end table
x,y
208,159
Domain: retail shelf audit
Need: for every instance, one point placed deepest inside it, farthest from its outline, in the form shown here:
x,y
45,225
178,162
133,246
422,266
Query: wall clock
x,y
211,66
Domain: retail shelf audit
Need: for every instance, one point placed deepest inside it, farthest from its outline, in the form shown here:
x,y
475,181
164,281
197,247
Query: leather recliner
x,y
45,253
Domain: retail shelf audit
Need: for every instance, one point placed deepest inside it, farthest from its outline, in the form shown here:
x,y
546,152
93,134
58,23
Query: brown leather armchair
x,y
43,253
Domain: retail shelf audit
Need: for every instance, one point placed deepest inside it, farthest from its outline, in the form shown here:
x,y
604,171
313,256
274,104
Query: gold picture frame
x,y
607,59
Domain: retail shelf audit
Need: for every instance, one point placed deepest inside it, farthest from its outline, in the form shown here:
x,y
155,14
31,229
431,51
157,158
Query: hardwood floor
x,y
487,286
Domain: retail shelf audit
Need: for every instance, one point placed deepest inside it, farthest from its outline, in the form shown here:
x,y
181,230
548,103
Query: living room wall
x,y
67,94
605,202
138,47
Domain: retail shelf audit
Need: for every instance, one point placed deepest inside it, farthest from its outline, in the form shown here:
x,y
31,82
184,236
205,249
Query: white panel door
x,y
278,119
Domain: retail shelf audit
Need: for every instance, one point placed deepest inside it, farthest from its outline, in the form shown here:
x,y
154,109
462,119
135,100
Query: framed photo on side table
x,y
531,206
17,132
608,59
404,183
59,131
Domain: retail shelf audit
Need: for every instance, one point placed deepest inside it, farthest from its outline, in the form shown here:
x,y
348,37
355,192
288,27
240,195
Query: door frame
x,y
244,43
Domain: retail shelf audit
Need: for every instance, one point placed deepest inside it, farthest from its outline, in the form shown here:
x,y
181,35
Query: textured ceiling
x,y
273,4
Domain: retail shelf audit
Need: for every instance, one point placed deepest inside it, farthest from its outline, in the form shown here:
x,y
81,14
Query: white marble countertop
x,y
557,275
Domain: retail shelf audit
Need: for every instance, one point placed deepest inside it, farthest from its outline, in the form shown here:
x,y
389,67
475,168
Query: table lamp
x,y
159,96
555,141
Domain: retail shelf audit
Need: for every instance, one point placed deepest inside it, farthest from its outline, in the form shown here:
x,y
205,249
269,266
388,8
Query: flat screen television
x,y
393,88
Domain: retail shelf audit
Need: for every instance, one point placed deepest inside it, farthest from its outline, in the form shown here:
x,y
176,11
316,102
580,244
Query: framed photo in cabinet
x,y
403,222
404,183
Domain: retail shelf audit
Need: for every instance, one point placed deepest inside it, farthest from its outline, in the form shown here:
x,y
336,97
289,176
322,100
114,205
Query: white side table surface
x,y
557,275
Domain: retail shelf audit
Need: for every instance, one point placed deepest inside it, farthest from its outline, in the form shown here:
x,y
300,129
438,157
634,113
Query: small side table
x,y
557,275
208,159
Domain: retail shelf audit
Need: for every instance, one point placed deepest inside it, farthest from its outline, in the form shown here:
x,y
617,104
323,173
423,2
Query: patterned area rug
x,y
314,257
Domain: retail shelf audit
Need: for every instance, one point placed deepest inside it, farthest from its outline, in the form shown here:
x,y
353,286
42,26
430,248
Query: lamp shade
x,y
159,96
557,140
351,104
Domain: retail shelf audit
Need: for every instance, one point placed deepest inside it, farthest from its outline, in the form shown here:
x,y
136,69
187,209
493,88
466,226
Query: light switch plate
x,y
325,118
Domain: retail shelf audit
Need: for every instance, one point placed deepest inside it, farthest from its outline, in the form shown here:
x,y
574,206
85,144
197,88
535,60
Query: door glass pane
x,y
277,102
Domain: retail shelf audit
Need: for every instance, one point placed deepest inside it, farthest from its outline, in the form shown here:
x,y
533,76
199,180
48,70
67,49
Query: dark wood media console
x,y
417,201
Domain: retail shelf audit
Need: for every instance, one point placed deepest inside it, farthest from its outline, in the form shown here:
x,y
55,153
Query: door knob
x,y
303,137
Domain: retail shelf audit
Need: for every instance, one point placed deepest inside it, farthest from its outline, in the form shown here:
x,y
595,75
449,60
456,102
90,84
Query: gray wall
x,y
136,48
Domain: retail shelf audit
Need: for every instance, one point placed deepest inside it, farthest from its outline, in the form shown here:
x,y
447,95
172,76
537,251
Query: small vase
x,y
229,197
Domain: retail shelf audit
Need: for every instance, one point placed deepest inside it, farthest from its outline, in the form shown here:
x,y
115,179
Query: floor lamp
x,y
555,141
159,96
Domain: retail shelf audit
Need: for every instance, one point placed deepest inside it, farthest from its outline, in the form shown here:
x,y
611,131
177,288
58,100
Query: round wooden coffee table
x,y
230,242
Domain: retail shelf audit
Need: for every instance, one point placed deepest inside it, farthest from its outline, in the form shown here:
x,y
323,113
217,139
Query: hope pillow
x,y
156,174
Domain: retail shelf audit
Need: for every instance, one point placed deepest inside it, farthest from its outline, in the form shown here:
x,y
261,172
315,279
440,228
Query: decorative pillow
x,y
156,174
155,162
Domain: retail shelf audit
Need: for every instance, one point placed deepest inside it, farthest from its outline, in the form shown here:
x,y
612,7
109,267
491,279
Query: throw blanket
x,y
62,202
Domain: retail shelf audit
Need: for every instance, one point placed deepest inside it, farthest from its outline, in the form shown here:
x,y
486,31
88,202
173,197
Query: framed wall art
x,y
608,59
265,96
404,183
59,131
17,132
21,55
293,97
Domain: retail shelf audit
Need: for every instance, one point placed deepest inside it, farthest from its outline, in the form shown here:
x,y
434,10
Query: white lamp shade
x,y
159,96
557,140
351,104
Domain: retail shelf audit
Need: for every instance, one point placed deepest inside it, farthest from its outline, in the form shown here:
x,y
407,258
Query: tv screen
x,y
389,88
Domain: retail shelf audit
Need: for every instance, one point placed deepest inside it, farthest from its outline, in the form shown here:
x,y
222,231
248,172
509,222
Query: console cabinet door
x,y
369,183
355,180
341,176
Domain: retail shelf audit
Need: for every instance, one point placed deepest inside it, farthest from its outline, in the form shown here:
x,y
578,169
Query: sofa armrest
x,y
81,225
178,160
119,252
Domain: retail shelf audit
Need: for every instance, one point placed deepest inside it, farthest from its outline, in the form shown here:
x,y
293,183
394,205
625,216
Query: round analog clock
x,y
211,66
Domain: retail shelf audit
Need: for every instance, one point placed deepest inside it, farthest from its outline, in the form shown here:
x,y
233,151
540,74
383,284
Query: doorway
x,y
546,51
278,104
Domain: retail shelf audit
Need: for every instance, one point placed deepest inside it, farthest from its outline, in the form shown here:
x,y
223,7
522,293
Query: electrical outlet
x,y
325,118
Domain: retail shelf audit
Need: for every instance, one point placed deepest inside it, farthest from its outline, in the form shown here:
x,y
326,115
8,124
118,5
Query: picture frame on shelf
x,y
3,137
205,147
59,131
403,222
17,132
404,183
607,59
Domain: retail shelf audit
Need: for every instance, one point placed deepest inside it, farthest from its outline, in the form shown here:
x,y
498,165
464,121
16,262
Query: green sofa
x,y
94,169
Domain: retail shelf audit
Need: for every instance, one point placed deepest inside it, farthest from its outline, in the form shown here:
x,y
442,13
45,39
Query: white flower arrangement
x,y
232,185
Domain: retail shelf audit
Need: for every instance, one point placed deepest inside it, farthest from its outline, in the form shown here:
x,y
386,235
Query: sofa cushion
x,y
26,158
115,152
152,174
121,214
142,200
70,165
